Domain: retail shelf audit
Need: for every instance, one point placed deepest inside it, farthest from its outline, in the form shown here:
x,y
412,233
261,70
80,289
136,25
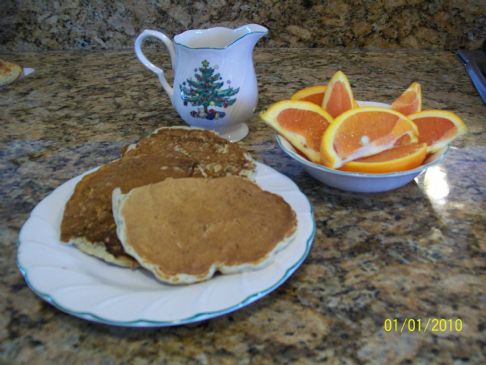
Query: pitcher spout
x,y
250,33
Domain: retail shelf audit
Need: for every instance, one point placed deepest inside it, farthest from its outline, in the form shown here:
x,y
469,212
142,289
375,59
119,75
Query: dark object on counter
x,y
475,63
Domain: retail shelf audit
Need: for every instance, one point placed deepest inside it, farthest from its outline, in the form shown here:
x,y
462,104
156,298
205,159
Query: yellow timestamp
x,y
414,325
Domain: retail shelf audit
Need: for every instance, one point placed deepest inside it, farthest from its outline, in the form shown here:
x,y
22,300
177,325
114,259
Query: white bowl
x,y
356,181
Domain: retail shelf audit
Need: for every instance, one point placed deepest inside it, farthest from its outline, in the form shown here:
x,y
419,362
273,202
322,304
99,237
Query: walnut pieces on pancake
x,y
215,156
184,230
170,152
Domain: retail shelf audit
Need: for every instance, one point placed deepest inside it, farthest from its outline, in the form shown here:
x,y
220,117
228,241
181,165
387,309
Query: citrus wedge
x,y
302,123
410,101
437,128
314,94
363,132
338,97
393,160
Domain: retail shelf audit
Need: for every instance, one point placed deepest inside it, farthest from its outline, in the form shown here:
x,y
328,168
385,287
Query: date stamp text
x,y
415,325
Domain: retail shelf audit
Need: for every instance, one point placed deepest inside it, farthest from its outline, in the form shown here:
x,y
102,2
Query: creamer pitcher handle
x,y
145,61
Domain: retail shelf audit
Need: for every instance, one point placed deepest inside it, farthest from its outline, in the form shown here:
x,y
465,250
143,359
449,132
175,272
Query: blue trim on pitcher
x,y
219,48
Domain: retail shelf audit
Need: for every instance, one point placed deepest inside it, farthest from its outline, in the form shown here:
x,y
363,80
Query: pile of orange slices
x,y
327,126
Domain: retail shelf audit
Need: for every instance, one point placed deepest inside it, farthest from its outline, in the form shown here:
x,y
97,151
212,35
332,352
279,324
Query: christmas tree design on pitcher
x,y
206,91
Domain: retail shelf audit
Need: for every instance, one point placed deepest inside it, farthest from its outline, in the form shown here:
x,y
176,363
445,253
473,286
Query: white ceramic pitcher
x,y
214,78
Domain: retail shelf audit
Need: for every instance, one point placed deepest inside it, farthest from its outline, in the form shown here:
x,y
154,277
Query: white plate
x,y
356,181
91,289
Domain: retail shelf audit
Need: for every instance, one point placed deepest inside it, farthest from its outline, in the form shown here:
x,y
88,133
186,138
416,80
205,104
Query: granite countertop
x,y
435,24
417,252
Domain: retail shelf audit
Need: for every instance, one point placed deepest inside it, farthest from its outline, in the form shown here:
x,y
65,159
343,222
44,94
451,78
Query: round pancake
x,y
183,230
9,72
215,156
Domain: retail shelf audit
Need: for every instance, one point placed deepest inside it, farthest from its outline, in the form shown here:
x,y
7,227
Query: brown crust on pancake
x,y
169,152
215,156
186,229
88,219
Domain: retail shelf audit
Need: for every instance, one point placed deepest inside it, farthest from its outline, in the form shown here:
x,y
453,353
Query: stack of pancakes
x,y
178,175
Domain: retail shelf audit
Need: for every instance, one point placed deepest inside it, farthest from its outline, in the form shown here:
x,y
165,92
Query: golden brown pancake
x,y
88,220
170,152
9,72
183,230
214,155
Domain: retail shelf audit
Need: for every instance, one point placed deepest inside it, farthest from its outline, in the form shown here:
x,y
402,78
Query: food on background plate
x,y
185,230
9,72
301,122
88,220
363,132
410,101
362,138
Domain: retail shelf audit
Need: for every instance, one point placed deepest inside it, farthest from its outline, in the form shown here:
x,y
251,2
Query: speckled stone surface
x,y
98,24
417,252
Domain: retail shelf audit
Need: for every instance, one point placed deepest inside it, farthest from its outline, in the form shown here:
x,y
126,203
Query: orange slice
x,y
302,123
396,159
362,132
314,94
438,128
410,101
338,97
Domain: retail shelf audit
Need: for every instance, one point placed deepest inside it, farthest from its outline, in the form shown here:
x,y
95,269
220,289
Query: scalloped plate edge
x,y
198,317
